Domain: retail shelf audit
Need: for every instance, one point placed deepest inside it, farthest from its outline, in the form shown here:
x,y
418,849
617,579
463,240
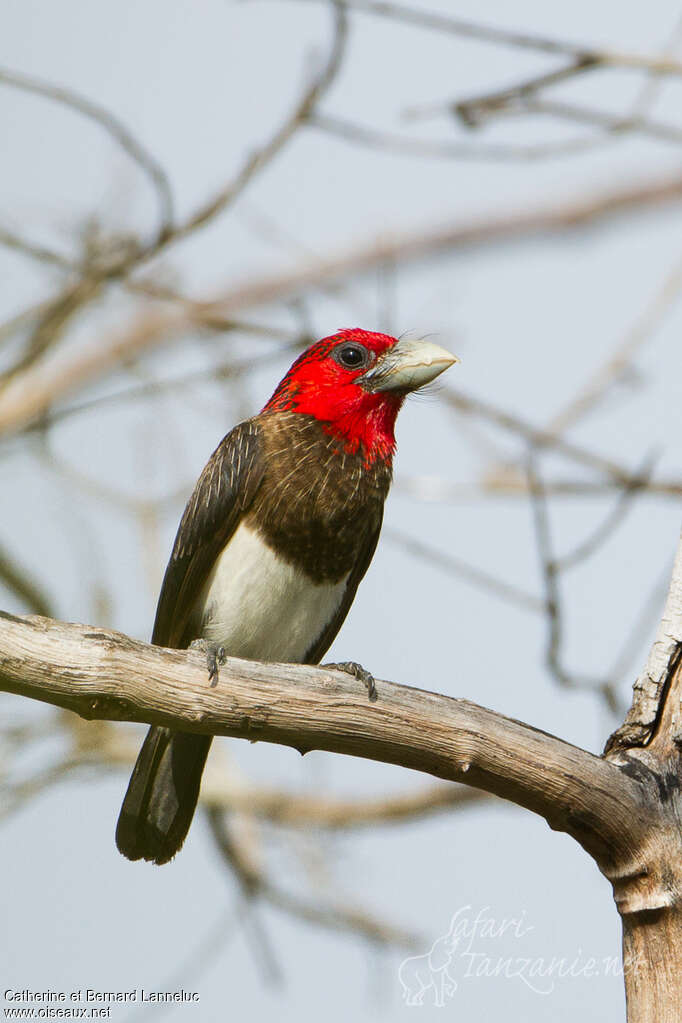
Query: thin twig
x,y
612,124
14,797
14,241
194,964
113,126
540,439
522,98
288,809
621,357
444,23
586,548
606,688
513,486
471,112
51,323
644,626
336,917
447,562
359,134
18,581
170,232
33,395
220,371
23,319
263,156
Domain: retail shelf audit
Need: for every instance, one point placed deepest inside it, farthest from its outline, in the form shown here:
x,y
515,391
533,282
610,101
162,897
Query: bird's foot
x,y
215,656
358,672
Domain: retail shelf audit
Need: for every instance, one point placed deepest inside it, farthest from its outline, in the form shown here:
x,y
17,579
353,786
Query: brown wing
x,y
224,491
365,555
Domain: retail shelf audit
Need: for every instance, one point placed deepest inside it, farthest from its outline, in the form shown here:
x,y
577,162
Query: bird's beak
x,y
407,366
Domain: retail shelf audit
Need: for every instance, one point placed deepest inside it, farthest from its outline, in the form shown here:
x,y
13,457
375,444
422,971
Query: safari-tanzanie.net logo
x,y
477,947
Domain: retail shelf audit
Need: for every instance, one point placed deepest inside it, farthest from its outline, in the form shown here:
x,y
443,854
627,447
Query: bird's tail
x,y
162,795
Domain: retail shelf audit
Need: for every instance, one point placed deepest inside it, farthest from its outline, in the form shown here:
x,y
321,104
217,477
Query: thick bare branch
x,y
106,675
649,744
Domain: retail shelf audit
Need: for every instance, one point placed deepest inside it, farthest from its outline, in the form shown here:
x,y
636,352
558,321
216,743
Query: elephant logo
x,y
418,974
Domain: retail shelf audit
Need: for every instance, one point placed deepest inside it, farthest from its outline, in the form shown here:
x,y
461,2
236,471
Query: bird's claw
x,y
360,673
215,656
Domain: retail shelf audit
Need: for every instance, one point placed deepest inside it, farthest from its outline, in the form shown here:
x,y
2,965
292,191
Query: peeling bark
x,y
625,808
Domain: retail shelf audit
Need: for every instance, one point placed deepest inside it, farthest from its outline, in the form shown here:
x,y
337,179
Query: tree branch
x,y
443,23
405,145
105,675
511,484
33,392
651,688
115,128
20,582
270,149
649,746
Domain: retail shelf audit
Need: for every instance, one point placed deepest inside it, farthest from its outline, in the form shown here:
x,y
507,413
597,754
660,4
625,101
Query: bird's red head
x,y
323,382
354,382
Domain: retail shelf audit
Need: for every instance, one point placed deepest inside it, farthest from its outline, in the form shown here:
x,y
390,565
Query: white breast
x,y
260,607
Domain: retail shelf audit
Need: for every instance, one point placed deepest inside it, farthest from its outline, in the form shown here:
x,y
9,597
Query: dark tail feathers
x,y
162,795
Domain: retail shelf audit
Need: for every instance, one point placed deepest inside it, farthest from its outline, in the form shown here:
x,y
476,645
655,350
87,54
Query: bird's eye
x,y
352,356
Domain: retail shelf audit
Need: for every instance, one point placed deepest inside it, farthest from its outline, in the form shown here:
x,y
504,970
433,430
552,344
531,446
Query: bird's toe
x,y
360,673
215,656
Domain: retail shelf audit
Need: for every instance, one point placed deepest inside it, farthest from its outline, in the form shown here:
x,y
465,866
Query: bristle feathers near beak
x,y
407,366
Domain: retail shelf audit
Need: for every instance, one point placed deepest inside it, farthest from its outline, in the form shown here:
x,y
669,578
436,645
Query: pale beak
x,y
407,366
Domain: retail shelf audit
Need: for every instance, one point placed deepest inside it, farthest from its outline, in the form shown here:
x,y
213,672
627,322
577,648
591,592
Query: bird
x,y
281,527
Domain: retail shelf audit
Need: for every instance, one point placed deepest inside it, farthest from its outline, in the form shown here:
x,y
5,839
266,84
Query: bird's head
x,y
354,383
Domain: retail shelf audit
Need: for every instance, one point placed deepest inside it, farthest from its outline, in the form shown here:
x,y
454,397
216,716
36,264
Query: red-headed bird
x,y
279,531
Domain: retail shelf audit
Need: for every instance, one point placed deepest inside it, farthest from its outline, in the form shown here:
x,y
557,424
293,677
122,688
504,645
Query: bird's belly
x,y
259,606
